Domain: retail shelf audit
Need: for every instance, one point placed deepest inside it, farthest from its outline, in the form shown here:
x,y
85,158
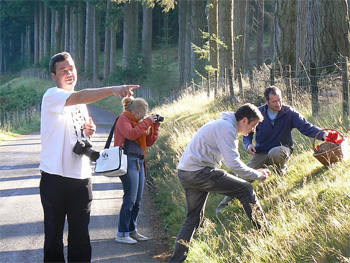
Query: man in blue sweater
x,y
274,143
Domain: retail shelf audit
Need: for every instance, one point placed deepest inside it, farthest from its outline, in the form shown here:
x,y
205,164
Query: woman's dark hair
x,y
250,111
271,90
59,57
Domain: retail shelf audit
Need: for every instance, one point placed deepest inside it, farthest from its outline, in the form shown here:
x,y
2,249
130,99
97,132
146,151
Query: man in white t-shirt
x,y
65,186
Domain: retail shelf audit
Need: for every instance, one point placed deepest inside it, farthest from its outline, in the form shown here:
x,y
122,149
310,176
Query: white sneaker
x,y
138,237
125,240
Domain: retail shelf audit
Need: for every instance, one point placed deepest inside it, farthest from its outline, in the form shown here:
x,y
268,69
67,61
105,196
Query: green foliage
x,y
57,5
14,17
44,64
166,4
20,97
16,99
115,15
36,84
134,73
8,77
204,54
159,81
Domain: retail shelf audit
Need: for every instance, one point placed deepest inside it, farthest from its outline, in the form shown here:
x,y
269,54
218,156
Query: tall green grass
x,y
308,208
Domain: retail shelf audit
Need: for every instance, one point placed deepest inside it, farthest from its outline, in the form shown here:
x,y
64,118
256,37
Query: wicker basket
x,y
328,152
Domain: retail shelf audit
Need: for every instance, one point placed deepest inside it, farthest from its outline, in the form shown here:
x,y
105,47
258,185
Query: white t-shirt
x,y
60,128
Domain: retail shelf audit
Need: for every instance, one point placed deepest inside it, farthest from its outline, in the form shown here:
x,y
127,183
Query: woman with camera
x,y
134,133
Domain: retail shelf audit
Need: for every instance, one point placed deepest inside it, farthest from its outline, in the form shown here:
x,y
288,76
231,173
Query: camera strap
x,y
79,121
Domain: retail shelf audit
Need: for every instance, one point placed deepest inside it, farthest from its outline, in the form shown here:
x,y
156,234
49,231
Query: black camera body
x,y
159,118
85,147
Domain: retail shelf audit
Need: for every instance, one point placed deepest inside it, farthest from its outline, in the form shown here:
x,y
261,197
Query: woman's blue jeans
x,y
133,183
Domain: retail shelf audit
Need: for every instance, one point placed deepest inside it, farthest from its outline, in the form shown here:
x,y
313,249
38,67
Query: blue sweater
x,y
269,136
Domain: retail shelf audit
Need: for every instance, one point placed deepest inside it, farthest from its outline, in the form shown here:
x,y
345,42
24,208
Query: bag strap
x,y
109,140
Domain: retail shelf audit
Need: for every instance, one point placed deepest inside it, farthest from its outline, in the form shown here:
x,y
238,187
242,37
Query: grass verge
x,y
307,208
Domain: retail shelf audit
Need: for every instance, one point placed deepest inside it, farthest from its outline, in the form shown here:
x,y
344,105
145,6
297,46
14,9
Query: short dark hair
x,y
250,111
59,57
271,90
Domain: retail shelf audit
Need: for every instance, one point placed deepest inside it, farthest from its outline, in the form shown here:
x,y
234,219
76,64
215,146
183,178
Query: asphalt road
x,y
21,215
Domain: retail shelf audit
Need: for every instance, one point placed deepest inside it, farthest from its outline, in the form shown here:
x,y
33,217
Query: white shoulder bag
x,y
112,161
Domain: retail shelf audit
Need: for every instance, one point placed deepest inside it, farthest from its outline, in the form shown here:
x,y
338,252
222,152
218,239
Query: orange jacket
x,y
124,130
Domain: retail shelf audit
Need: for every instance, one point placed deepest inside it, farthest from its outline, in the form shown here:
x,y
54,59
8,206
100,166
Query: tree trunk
x,y
46,41
271,29
28,45
260,34
58,32
213,32
135,16
81,35
147,37
300,46
113,55
198,26
41,30
96,43
129,33
1,60
188,43
226,36
247,32
240,30
182,41
71,31
52,35
166,28
75,32
22,47
67,27
107,49
327,31
285,31
301,33
88,38
36,33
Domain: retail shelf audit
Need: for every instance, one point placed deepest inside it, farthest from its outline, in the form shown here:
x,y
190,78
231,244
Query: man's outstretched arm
x,y
88,96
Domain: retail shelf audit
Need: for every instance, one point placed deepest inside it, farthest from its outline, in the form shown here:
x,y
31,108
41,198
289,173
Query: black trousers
x,y
61,197
197,186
